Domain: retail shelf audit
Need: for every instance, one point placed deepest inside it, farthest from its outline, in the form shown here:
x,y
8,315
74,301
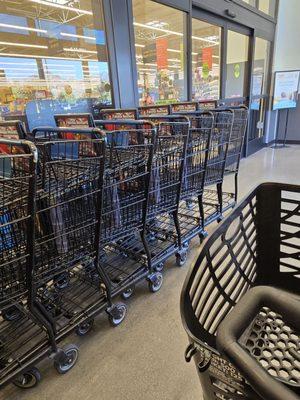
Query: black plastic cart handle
x,y
239,319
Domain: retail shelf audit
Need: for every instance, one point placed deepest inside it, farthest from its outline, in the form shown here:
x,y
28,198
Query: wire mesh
x,y
167,167
16,196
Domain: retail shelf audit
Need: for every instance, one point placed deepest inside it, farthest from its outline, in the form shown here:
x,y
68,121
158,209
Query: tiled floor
x,y
143,358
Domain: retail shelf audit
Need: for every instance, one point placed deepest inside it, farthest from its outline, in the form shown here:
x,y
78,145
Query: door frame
x,y
225,26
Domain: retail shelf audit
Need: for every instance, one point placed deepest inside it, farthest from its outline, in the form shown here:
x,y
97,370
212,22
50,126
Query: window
x,y
261,66
237,64
250,2
206,45
160,52
52,56
267,6
259,87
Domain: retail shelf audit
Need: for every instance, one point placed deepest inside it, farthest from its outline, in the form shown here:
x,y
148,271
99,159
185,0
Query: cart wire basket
x,y
257,244
23,336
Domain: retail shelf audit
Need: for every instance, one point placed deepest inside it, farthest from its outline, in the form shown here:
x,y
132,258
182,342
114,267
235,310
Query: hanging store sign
x,y
286,89
207,54
162,53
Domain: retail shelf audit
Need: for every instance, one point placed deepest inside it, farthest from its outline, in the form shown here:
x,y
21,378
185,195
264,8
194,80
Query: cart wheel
x,y
68,361
202,236
11,314
29,379
151,237
62,281
117,315
85,327
181,258
128,293
155,282
220,219
159,267
186,244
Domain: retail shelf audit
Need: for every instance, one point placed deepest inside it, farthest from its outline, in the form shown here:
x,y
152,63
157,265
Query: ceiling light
x,y
204,40
77,36
22,28
79,50
7,69
157,29
147,69
61,6
139,45
174,59
216,56
174,51
46,57
36,46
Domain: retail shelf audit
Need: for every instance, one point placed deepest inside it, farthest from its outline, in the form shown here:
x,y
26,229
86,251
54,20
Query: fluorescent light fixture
x,y
16,63
174,59
77,36
79,50
8,69
194,62
204,40
216,56
174,51
46,57
154,28
139,45
35,46
194,54
172,32
147,69
22,28
61,6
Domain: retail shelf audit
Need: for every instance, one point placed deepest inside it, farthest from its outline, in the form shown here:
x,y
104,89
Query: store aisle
x,y
143,358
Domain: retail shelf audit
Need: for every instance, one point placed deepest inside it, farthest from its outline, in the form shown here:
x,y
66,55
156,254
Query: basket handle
x,y
190,351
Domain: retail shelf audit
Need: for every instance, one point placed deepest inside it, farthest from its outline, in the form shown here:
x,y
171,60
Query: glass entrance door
x,y
259,94
237,66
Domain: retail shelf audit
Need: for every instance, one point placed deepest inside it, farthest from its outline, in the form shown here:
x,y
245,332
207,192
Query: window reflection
x,y
206,45
237,64
160,52
52,52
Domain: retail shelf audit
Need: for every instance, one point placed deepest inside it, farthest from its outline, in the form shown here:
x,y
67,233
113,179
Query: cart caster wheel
x,y
68,360
220,219
62,281
151,237
11,314
118,314
189,204
181,258
186,245
85,327
128,293
155,282
159,267
202,236
29,379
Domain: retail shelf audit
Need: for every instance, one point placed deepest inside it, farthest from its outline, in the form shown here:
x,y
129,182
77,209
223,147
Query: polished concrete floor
x,y
143,358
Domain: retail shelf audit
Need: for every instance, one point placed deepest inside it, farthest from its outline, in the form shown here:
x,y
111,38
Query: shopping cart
x,y
243,295
125,256
161,235
25,336
71,287
235,149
